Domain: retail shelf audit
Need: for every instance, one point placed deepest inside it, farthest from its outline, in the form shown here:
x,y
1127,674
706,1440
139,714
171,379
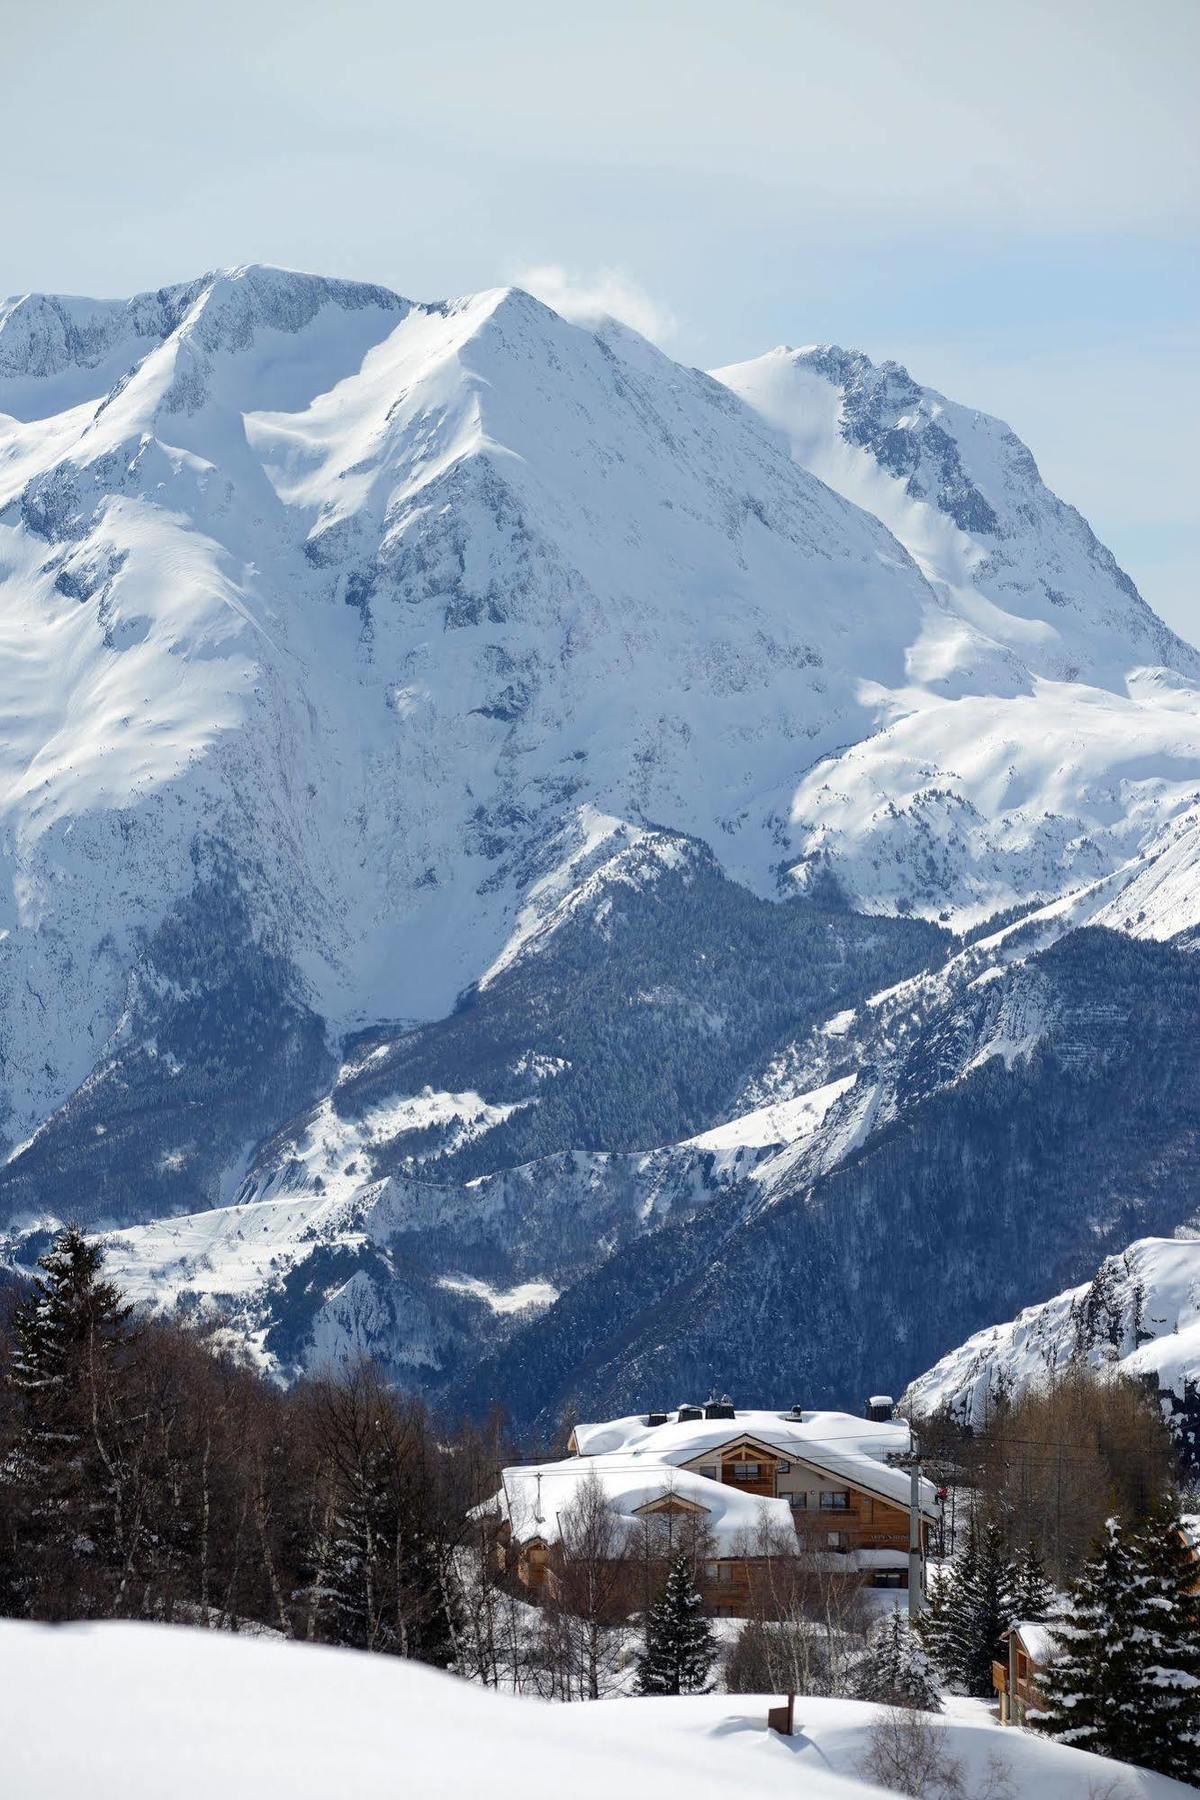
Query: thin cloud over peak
x,y
605,293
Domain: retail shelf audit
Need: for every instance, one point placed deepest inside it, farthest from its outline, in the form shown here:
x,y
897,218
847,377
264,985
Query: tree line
x,y
144,1476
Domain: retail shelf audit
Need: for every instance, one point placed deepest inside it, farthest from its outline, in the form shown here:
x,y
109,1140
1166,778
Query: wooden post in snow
x,y
781,1718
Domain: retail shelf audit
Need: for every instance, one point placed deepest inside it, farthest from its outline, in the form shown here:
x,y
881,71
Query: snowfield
x,y
133,1712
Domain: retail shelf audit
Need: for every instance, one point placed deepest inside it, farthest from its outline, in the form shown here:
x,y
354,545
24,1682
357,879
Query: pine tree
x,y
932,1623
978,1610
1032,1595
1091,1691
359,1563
1168,1639
896,1670
382,1549
66,1464
679,1647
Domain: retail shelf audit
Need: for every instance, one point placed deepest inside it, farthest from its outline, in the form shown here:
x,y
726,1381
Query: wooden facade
x,y
830,1513
1014,1679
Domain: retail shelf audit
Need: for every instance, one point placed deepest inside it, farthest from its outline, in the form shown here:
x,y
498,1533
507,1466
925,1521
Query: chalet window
x,y
746,1471
838,1501
838,1540
799,1502
887,1578
712,1473
783,1468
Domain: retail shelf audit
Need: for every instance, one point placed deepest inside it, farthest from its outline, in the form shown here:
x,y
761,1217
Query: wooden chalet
x,y
818,1484
1014,1677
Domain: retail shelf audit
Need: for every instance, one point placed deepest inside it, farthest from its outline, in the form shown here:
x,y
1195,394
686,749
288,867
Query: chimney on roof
x,y
686,1413
656,1418
719,1409
880,1408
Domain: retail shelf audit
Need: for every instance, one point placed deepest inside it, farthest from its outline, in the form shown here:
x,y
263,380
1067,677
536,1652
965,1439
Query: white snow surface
x,y
1037,1638
534,1498
526,1296
783,1122
1139,1315
157,1709
419,610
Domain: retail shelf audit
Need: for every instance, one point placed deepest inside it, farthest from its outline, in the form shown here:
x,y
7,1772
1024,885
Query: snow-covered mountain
x,y
1139,1316
480,805
1047,721
371,597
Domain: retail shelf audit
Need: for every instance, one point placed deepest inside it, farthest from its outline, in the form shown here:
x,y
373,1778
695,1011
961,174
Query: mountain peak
x,y
234,304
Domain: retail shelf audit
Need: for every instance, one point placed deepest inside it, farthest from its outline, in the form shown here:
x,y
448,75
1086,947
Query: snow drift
x,y
201,1713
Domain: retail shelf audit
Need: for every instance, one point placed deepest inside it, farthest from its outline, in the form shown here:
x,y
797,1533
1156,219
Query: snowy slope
x,y
1048,723
354,1230
209,1714
424,1277
373,597
1138,1316
203,1713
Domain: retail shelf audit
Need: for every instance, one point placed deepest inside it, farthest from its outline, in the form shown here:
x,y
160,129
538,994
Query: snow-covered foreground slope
x,y
1139,1316
1048,722
196,1714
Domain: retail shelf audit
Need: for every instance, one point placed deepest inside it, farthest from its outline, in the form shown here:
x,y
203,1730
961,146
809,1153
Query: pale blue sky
x,y
1004,197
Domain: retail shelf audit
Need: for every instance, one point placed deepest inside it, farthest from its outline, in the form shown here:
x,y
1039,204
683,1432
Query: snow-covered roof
x,y
1036,1639
534,1497
851,1449
881,1559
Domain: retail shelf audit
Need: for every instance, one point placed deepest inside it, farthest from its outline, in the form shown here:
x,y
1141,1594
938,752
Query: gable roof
x,y
832,1443
670,1501
533,1507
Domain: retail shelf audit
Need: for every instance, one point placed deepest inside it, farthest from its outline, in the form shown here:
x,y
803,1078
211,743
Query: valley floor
x,y
126,1712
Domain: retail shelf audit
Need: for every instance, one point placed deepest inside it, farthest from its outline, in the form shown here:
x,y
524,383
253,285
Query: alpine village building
x,y
813,1482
